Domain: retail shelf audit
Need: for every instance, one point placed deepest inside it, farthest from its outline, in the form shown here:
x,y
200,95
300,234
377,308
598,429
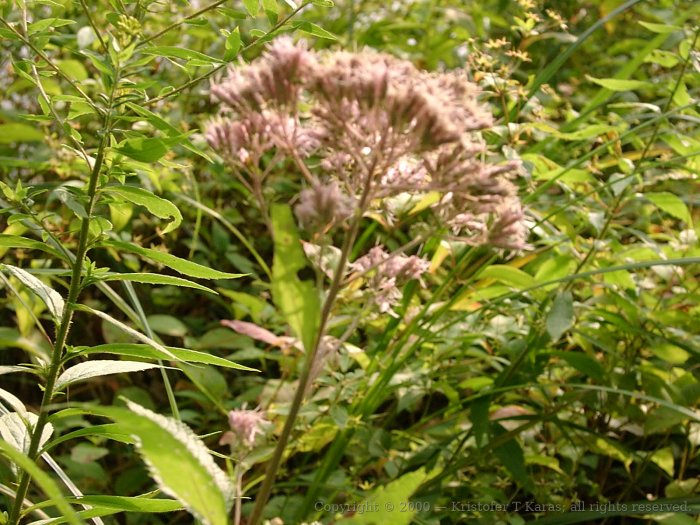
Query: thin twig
x,y
179,22
218,68
94,26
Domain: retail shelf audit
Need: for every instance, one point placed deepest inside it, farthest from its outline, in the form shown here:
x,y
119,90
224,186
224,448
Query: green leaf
x,y
669,352
671,204
297,300
109,431
154,278
615,84
145,149
178,461
511,455
583,363
233,44
16,132
50,297
561,315
252,6
148,352
508,275
171,131
15,241
46,23
48,486
128,330
390,502
179,52
161,208
182,266
167,325
664,459
660,28
312,29
97,368
130,504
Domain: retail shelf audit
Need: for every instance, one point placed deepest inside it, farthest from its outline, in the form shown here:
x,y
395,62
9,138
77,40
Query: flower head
x,y
245,427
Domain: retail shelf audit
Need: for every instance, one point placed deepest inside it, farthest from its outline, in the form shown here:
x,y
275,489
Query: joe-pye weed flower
x,y
359,130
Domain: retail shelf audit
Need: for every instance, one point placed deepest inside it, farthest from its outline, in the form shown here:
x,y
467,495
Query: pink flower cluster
x,y
377,127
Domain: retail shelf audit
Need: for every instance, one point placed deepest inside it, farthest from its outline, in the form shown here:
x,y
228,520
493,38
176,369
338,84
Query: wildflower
x,y
386,273
323,206
274,80
380,129
245,425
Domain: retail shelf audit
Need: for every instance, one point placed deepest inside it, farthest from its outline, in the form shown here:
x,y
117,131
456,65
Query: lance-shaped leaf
x,y
97,368
178,461
154,278
297,300
148,352
182,266
52,299
44,481
161,208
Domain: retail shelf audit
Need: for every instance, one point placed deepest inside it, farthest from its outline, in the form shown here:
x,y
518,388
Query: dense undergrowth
x,y
426,261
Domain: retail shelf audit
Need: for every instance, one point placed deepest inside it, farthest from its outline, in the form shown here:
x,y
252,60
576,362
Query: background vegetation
x,y
564,373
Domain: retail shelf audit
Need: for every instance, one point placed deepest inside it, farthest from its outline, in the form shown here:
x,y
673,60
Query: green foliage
x,y
562,375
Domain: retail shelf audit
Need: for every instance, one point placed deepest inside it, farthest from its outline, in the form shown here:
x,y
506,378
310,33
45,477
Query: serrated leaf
x,y
152,278
50,297
170,448
148,352
182,266
161,208
671,204
561,315
130,504
297,300
98,368
617,84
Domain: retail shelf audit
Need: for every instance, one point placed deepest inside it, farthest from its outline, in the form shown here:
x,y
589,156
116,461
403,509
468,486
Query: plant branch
x,y
179,22
218,68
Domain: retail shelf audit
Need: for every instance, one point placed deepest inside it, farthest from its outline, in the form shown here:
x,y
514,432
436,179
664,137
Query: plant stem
x,y
62,332
336,286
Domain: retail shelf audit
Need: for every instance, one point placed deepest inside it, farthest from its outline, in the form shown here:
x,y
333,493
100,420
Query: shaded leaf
x,y
561,315
97,368
297,300
50,297
149,352
182,266
161,208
